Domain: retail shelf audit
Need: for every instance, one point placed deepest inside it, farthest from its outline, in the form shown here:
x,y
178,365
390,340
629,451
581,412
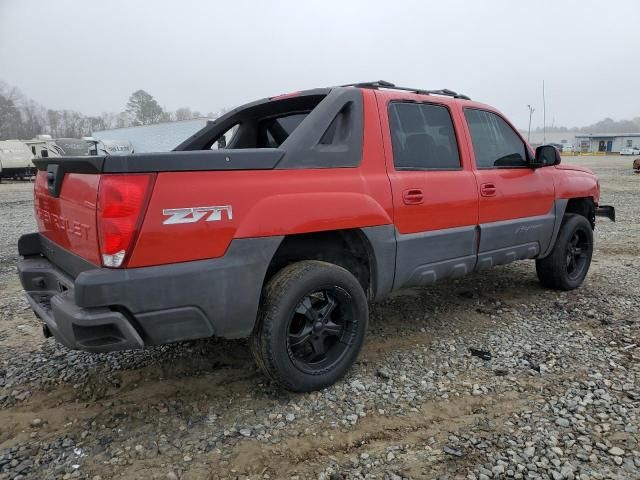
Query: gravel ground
x,y
490,376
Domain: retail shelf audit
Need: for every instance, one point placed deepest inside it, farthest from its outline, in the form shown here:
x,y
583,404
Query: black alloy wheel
x,y
566,266
322,329
578,248
311,326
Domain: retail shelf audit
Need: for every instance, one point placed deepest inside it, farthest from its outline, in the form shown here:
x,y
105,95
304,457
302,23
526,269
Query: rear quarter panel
x,y
266,203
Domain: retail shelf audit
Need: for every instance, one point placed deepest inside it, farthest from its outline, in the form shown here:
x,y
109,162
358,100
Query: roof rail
x,y
384,84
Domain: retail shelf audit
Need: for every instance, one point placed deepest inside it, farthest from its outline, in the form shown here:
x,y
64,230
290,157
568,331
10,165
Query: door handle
x,y
488,190
413,196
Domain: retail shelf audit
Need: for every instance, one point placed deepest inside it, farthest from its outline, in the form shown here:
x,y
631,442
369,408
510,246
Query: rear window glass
x,y
291,122
272,132
265,124
423,137
224,139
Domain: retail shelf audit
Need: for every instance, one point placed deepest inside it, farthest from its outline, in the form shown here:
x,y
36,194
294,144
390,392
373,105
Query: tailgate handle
x,y
54,179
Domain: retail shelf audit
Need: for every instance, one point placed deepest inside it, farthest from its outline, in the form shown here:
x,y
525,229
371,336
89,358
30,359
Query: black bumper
x,y
100,309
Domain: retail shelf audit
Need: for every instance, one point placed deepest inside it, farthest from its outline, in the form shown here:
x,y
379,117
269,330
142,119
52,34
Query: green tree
x,y
144,109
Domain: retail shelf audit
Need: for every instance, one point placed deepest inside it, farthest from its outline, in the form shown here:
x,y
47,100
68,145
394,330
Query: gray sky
x,y
91,55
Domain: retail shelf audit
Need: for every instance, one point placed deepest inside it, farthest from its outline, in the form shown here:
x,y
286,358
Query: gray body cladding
x,y
427,257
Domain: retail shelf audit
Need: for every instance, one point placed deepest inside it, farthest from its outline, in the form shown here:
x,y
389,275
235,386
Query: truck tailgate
x,y
69,220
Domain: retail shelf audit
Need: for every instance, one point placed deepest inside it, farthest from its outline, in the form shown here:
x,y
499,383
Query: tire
x,y
566,267
311,325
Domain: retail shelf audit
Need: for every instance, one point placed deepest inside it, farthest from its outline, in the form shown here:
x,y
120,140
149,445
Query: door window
x,y
495,144
422,137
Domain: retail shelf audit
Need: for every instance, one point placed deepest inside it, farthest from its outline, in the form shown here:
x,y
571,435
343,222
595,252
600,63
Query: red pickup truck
x,y
280,220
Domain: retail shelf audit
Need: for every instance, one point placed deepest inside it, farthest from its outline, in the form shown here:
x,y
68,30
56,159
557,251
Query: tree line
x,y
22,118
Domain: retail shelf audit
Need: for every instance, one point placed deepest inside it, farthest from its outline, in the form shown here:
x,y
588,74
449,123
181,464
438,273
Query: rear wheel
x,y
568,263
311,325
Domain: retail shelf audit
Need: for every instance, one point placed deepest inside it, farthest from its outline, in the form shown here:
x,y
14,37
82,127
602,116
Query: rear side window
x,y
495,144
423,137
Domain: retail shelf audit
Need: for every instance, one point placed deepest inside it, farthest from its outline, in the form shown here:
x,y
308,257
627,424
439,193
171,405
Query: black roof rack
x,y
384,84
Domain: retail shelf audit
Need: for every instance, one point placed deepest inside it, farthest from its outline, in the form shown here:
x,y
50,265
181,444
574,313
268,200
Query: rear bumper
x,y
109,309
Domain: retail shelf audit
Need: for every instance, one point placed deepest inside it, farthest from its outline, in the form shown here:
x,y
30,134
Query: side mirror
x,y
546,155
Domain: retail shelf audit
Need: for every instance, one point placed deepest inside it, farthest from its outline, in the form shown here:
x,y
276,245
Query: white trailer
x,y
73,147
16,160
43,146
109,147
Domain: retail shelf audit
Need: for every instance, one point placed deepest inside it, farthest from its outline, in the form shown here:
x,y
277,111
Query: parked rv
x,y
16,160
73,147
109,147
43,146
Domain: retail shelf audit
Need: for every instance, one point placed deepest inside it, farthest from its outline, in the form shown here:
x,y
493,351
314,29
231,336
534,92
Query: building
x,y
577,141
606,142
159,137
566,139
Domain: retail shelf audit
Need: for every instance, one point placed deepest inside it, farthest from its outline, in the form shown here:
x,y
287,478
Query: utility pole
x,y
544,116
531,110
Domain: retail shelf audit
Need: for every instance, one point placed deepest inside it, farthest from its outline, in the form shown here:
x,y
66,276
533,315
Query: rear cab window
x,y
272,132
320,128
224,139
264,124
423,137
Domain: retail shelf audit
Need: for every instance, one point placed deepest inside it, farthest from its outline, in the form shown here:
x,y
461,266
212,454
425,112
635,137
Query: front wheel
x,y
568,263
311,325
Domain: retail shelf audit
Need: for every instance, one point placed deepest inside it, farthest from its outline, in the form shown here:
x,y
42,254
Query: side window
x,y
494,142
423,137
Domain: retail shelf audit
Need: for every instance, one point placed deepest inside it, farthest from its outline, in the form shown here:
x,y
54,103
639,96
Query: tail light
x,y
121,201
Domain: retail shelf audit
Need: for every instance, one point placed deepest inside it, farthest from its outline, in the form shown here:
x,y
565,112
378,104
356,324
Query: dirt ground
x,y
559,397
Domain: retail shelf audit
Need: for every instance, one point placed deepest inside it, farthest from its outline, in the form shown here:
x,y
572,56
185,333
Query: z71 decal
x,y
195,214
